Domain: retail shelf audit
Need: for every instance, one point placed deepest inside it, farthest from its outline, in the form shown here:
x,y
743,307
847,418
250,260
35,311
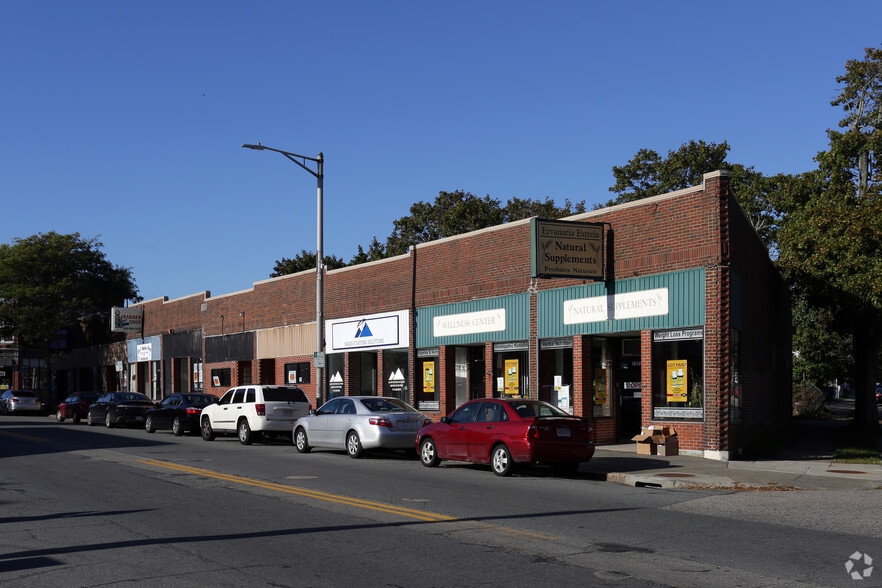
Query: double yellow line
x,y
415,514
327,497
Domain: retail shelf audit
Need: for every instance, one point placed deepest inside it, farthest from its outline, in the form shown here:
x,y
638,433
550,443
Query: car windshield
x,y
284,394
533,408
386,405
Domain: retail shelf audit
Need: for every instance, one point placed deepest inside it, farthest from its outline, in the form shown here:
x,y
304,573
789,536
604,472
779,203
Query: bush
x,y
808,400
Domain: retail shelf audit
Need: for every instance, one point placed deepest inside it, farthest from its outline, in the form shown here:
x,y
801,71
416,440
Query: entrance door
x,y
628,386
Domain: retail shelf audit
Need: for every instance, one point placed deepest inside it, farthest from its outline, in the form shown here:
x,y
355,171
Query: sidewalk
x,y
806,464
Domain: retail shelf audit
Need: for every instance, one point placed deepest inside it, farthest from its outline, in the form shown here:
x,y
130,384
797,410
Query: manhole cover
x,y
675,475
845,472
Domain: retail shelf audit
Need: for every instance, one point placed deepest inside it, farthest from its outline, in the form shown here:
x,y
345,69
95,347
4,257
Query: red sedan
x,y
75,406
505,432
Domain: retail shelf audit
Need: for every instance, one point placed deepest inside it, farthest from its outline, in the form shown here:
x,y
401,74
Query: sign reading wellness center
x,y
365,333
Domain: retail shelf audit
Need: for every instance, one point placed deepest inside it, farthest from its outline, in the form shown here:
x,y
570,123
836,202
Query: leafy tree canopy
x,y
51,282
648,174
305,260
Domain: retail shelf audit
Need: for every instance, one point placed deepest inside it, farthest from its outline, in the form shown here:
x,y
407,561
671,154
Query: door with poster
x,y
628,383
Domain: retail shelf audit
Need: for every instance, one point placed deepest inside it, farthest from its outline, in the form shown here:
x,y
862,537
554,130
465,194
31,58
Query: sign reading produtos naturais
x,y
566,249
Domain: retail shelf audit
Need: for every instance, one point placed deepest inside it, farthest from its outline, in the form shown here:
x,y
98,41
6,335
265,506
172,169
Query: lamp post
x,y
319,174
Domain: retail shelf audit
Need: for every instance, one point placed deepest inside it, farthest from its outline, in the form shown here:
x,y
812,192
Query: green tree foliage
x,y
51,282
305,260
832,242
648,174
452,213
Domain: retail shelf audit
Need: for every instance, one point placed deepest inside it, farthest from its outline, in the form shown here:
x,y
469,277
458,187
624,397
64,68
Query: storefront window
x,y
335,371
678,374
428,387
511,367
297,373
556,372
600,370
220,378
395,374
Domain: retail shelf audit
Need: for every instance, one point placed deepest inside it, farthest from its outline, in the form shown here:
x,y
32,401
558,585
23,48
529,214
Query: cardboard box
x,y
657,440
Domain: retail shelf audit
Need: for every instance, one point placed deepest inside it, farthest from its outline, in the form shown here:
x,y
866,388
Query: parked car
x,y
878,393
357,423
506,432
119,408
76,406
20,401
179,412
251,411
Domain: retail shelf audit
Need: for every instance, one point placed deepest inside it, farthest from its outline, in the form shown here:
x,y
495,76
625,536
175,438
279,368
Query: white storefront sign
x,y
469,323
621,306
365,333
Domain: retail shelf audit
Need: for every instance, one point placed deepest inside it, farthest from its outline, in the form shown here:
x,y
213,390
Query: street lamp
x,y
319,174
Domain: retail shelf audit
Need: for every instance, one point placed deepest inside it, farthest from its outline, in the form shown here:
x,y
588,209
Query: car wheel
x,y
245,436
108,422
75,418
58,416
89,420
148,425
500,461
207,431
301,441
429,453
353,445
177,427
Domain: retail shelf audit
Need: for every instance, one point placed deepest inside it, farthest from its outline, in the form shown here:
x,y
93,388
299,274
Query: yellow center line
x,y
357,502
22,436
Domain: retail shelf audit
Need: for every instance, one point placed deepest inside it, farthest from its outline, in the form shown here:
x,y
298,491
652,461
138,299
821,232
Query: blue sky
x,y
124,120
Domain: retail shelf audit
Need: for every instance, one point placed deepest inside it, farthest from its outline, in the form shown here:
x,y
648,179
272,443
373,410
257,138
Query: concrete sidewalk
x,y
806,464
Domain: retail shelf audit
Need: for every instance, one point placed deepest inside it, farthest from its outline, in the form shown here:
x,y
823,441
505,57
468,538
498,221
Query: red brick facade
x,y
701,227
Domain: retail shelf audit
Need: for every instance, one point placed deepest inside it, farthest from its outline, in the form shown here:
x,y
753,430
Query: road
x,y
90,506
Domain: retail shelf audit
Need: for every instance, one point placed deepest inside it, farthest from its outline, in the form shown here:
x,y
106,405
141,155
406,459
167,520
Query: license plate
x,y
563,432
139,418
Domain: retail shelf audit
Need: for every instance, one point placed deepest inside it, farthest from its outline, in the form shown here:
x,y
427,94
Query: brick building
x,y
685,323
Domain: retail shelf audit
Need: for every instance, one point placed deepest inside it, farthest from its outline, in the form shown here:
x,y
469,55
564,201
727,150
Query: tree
x,y
51,282
861,98
832,242
455,213
648,174
304,261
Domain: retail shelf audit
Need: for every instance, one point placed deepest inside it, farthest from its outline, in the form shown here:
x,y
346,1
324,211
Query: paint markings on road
x,y
357,502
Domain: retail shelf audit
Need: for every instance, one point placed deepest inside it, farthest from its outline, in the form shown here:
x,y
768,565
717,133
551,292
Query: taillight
x,y
261,409
532,432
380,422
194,411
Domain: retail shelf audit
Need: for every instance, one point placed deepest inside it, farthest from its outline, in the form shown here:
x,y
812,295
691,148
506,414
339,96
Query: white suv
x,y
253,410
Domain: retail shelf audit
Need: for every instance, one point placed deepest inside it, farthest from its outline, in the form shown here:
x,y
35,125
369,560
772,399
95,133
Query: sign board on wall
x,y
369,332
628,305
126,320
566,249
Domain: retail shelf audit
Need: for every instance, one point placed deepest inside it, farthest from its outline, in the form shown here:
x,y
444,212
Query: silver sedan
x,y
357,423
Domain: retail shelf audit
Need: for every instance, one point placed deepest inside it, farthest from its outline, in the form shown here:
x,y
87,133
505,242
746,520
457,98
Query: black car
x,y
178,412
119,408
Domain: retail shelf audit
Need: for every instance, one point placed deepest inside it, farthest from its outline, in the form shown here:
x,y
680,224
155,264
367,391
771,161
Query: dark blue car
x,y
178,412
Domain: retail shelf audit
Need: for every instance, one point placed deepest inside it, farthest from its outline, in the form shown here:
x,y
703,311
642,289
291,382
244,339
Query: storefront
x,y
368,355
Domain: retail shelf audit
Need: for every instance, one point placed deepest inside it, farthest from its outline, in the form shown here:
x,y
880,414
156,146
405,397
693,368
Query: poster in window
x,y
676,377
429,377
600,393
512,379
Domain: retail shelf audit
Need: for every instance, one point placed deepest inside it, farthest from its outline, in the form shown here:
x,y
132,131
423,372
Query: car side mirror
x,y
445,420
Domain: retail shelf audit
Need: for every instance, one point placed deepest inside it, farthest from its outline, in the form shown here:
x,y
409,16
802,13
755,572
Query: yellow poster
x,y
512,380
676,377
428,377
600,393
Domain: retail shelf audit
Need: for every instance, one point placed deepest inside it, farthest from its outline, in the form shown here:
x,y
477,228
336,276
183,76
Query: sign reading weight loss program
x,y
566,249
